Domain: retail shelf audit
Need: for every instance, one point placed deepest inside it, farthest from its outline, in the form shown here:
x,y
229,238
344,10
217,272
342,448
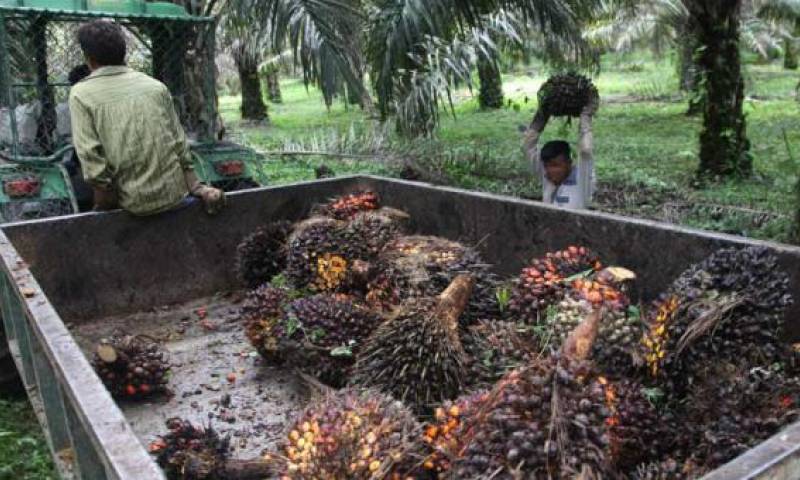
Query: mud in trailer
x,y
70,281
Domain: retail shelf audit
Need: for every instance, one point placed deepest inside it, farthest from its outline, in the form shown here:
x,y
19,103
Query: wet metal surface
x,y
205,344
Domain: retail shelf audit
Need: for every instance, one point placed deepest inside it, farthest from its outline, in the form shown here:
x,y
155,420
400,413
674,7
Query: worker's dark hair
x,y
103,42
78,73
552,150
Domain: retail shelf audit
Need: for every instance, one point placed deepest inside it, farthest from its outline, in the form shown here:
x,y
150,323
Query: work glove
x,y
213,198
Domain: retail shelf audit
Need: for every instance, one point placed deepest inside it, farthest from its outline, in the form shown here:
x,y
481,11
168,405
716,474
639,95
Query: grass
x,y
23,452
645,146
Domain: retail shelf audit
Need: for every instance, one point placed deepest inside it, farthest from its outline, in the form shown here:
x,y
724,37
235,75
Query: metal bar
x,y
34,84
87,462
4,80
102,439
7,94
51,399
23,340
5,308
210,82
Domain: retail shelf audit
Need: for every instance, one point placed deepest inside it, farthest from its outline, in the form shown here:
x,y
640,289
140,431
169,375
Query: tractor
x,y
39,49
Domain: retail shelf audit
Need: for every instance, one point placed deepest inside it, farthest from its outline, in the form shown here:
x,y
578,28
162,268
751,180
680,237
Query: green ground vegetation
x,y
645,146
23,452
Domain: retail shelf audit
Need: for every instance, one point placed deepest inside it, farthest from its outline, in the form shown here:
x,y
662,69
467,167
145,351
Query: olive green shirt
x,y
128,139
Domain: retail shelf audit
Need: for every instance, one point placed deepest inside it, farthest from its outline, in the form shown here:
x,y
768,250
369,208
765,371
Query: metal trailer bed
x,y
66,282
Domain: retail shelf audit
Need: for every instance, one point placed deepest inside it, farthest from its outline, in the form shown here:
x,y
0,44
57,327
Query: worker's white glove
x,y
592,106
213,198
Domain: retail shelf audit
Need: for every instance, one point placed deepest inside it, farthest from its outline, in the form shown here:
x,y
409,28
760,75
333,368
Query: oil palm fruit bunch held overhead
x,y
566,95
131,366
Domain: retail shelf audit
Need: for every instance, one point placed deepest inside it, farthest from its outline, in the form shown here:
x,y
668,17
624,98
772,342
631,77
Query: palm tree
x,y
724,148
247,42
710,31
796,235
192,98
337,41
786,14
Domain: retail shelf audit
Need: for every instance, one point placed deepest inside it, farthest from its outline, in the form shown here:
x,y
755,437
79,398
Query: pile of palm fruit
x,y
433,367
131,367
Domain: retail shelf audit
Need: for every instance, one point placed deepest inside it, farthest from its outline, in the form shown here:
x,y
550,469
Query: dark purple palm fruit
x,y
417,356
729,307
262,254
260,312
322,334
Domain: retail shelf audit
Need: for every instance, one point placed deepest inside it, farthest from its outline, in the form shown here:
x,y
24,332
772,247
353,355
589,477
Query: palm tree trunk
x,y
253,106
796,233
790,49
491,89
724,148
274,86
688,69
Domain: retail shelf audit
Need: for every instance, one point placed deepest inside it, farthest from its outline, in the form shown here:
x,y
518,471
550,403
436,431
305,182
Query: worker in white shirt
x,y
564,183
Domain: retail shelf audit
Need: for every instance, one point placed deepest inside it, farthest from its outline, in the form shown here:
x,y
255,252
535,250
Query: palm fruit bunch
x,y
318,256
261,311
637,431
190,452
566,95
262,254
605,288
735,408
132,366
347,206
422,266
351,434
546,281
377,228
618,337
493,348
321,335
331,255
544,420
444,434
417,356
729,307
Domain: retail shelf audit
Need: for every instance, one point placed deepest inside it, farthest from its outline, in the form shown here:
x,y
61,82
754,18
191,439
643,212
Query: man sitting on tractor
x,y
127,135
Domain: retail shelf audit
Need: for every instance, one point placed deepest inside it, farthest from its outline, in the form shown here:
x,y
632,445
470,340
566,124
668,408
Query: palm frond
x,y
420,94
777,10
320,35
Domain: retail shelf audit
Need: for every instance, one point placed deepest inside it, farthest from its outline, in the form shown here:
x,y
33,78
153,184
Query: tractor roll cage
x,y
166,41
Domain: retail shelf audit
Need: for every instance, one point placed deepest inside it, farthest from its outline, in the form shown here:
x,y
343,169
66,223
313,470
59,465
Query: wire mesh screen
x,y
40,59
